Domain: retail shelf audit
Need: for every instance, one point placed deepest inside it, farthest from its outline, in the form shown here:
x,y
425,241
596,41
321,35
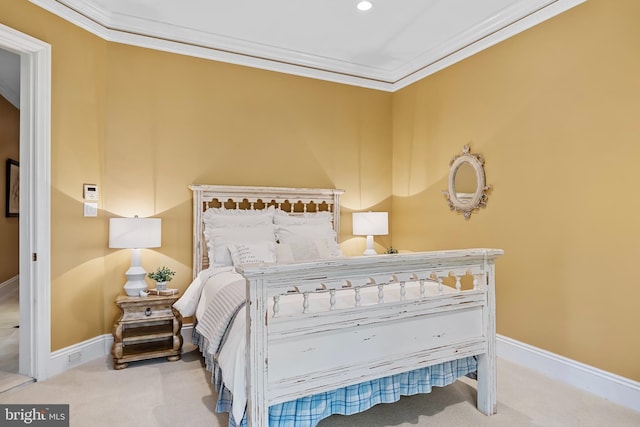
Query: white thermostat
x,y
90,192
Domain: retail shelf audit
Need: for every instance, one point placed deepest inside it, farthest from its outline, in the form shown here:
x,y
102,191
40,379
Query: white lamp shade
x,y
135,233
370,223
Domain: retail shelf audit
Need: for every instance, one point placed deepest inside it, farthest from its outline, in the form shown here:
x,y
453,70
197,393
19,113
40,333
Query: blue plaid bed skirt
x,y
308,411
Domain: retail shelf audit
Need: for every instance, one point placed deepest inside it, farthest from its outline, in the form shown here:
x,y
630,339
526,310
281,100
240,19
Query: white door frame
x,y
35,200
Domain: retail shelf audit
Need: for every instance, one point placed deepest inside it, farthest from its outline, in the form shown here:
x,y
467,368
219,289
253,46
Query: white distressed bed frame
x,y
292,356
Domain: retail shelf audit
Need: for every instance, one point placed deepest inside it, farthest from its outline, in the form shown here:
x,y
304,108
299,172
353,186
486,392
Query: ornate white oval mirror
x,y
467,183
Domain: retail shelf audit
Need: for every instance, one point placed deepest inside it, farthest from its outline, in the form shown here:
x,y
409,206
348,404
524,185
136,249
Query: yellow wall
x,y
144,124
551,109
198,121
9,227
555,112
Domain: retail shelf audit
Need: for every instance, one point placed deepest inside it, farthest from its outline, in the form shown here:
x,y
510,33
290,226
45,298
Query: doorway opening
x,y
35,205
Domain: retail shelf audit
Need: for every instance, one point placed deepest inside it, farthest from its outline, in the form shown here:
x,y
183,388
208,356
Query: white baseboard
x,y
614,388
94,348
77,354
15,280
617,389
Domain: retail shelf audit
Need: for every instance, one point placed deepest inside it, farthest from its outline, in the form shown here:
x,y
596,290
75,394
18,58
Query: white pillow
x,y
221,217
252,253
303,250
292,232
297,233
283,218
219,238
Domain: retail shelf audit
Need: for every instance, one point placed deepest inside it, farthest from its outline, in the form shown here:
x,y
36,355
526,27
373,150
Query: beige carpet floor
x,y
9,317
160,393
9,331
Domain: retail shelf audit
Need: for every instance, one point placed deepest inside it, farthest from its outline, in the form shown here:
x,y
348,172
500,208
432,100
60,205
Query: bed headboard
x,y
292,200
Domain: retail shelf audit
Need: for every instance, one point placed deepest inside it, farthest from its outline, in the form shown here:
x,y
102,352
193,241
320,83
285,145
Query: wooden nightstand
x,y
149,327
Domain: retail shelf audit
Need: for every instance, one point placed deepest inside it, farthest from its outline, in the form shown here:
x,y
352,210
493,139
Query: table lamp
x,y
135,234
370,224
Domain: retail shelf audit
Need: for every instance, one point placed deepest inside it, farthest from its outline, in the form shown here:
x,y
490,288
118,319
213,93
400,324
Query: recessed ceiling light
x,y
364,5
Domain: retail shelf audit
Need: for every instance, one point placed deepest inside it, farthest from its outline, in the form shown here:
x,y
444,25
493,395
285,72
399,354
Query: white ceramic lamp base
x,y
369,250
135,276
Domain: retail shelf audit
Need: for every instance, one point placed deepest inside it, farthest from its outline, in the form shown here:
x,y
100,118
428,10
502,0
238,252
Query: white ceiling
x,y
392,45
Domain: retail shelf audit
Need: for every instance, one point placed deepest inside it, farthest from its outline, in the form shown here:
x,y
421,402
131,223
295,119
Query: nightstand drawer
x,y
140,312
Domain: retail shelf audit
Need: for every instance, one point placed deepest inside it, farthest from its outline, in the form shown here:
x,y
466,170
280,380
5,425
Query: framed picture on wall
x,y
13,188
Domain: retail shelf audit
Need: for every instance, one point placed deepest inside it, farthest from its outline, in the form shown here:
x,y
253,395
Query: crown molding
x,y
126,29
543,13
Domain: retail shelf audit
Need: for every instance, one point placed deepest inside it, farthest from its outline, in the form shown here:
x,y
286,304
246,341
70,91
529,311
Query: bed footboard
x,y
349,320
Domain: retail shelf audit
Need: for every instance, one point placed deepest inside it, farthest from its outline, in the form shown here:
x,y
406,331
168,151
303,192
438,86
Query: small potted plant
x,y
162,275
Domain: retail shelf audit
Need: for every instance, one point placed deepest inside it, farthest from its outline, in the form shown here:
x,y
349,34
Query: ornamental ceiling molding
x,y
120,28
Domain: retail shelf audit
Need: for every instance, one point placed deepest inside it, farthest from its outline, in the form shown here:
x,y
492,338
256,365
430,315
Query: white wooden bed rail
x,y
324,347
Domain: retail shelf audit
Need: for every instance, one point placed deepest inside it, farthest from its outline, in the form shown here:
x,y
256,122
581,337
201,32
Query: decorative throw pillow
x,y
218,240
252,253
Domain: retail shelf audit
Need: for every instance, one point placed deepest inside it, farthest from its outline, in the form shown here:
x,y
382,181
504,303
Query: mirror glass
x,y
467,183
